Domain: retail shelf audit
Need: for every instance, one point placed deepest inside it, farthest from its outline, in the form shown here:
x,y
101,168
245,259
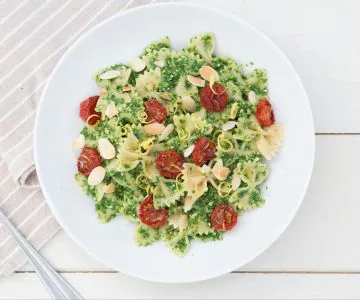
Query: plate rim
x,y
271,43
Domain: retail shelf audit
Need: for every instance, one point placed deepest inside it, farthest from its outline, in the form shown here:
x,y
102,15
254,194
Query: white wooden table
x,y
318,257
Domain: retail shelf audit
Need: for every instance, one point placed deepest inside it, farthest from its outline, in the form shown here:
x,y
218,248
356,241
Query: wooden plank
x,y
321,238
239,286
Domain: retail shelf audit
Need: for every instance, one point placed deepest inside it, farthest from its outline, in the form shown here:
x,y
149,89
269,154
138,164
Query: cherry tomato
x,y
169,163
87,110
223,217
204,151
151,216
155,110
88,160
265,113
214,102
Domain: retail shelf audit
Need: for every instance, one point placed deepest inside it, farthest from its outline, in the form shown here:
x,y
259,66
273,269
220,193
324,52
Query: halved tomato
x,y
88,159
87,110
265,113
204,151
214,102
155,110
169,163
223,217
151,216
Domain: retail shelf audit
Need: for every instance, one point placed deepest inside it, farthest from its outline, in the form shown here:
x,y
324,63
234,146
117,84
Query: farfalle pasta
x,y
177,141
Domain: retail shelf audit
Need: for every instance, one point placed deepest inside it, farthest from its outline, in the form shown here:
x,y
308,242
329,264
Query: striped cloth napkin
x,y
34,34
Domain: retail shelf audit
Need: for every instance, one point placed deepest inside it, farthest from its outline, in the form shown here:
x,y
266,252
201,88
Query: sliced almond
x,y
111,110
228,125
102,92
110,74
157,148
168,129
188,103
108,189
137,64
219,171
127,88
154,128
209,73
223,173
252,97
96,176
79,143
189,150
235,181
196,81
106,149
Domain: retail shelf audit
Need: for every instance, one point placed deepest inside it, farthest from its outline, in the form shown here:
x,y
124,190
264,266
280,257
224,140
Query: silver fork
x,y
56,285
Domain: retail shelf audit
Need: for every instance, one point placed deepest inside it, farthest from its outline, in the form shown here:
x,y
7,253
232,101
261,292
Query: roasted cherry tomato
x,y
87,110
265,113
151,216
214,102
223,217
169,163
204,151
155,110
88,160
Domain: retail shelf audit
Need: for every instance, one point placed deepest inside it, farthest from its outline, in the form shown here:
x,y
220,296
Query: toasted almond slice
x,y
154,128
111,110
168,129
96,176
106,149
157,148
110,74
252,97
188,103
127,88
79,143
219,171
228,125
108,189
209,73
102,92
189,150
196,81
223,173
235,181
137,64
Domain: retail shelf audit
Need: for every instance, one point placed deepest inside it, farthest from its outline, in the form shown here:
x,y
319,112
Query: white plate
x,y
119,39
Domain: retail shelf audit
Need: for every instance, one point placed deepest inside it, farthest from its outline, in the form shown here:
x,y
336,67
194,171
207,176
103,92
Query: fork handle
x,y
56,285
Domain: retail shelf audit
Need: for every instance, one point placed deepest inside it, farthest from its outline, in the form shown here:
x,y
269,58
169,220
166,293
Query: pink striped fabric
x,y
34,34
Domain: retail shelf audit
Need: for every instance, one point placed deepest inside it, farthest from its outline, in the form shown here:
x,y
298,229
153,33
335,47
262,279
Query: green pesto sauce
x,y
175,68
166,70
